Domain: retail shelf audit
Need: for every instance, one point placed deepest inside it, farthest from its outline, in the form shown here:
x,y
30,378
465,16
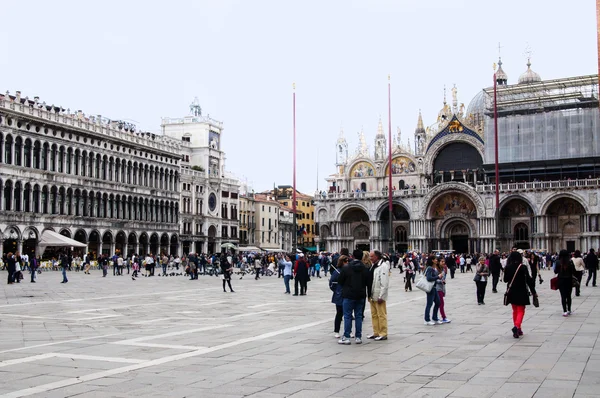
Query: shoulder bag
x,y
510,285
424,284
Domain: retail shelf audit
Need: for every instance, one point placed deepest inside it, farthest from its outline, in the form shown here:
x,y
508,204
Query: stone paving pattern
x,y
171,337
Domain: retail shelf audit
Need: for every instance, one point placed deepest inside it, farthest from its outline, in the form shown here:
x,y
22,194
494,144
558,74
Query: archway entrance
x,y
400,227
154,244
565,224
354,229
94,243
120,243
164,244
515,224
174,245
458,234
212,236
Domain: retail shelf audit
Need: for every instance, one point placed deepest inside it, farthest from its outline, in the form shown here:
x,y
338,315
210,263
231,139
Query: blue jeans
x,y
286,280
355,306
164,269
64,274
432,298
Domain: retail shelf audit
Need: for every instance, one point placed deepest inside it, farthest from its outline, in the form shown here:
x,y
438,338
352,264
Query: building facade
x,y
443,186
267,222
305,214
97,181
209,196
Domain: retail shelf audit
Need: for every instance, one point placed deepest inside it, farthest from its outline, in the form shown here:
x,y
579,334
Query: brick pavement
x,y
159,337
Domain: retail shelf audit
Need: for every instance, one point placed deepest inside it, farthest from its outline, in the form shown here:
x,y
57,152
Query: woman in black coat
x,y
518,295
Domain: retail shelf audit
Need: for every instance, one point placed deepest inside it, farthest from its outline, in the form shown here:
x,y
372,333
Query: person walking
x,y
227,270
285,265
354,279
579,268
408,275
336,297
257,267
591,262
482,272
433,298
10,267
518,280
65,260
495,269
440,286
33,265
565,269
300,275
378,294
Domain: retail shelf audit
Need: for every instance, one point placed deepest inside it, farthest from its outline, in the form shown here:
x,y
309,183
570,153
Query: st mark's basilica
x,y
444,183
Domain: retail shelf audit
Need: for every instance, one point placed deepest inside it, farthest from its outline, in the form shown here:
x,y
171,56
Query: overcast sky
x,y
142,60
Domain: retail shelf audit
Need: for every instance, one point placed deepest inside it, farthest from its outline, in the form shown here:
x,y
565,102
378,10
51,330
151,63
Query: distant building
x,y
209,197
98,181
305,219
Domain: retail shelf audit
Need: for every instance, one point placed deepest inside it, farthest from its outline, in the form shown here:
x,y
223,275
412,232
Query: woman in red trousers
x,y
517,277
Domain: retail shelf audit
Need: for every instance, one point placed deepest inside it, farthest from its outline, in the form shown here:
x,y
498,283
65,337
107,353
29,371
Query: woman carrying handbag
x,y
517,277
566,279
431,275
482,271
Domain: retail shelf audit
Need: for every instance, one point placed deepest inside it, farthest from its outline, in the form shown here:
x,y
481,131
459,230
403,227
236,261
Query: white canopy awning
x,y
249,249
51,238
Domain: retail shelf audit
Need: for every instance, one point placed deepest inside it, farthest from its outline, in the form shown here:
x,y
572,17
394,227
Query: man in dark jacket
x,y
354,280
495,268
591,263
300,275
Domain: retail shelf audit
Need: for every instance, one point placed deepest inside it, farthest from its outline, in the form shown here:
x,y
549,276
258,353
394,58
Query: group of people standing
x,y
354,280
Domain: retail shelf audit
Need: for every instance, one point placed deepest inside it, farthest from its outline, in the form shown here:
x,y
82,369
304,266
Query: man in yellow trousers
x,y
378,295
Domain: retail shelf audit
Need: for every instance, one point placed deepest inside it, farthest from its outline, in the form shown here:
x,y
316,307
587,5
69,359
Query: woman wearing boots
x,y
566,273
517,277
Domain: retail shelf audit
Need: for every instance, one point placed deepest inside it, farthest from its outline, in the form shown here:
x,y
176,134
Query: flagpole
x,y
497,171
390,205
295,241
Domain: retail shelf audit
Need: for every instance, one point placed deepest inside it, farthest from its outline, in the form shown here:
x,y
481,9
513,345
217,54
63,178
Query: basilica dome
x,y
476,109
529,76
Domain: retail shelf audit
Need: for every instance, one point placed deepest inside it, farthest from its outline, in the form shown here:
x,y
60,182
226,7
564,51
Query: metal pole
x,y
497,215
295,241
390,205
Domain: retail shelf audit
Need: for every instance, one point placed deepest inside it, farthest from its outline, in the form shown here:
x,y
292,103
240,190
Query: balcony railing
x,y
373,194
539,185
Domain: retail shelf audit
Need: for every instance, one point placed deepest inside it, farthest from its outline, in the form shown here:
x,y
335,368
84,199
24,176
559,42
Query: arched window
x,y
53,158
521,232
18,149
27,153
8,144
401,235
37,155
61,159
69,160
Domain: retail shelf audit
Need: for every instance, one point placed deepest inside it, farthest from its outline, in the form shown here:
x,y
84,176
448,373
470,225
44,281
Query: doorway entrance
x,y
363,246
460,243
570,246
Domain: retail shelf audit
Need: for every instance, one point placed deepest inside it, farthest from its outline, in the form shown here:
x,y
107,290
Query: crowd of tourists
x,y
355,278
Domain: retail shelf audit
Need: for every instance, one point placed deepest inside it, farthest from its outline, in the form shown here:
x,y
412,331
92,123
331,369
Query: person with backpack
x,y
354,279
336,297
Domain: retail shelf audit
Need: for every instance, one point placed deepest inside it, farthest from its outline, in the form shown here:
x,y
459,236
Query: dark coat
x,y
518,293
353,279
336,288
495,265
301,270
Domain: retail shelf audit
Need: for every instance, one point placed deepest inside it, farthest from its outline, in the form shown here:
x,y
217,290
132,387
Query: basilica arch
x,y
400,225
517,223
565,223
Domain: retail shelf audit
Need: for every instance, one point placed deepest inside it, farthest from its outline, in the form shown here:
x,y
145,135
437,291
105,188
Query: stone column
x,y
20,245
